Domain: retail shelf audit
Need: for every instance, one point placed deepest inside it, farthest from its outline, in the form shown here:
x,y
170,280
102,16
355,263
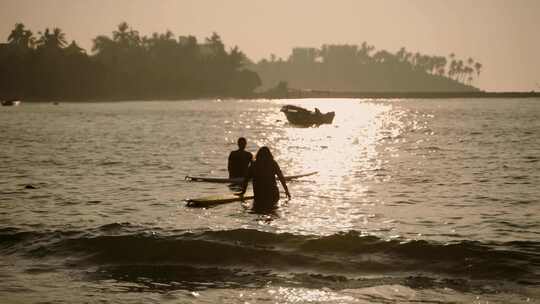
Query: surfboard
x,y
238,180
209,201
223,180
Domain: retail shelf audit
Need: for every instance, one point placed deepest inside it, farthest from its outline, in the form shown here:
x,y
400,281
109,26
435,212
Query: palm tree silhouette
x,y
101,44
74,48
58,38
478,68
54,40
364,52
21,37
126,37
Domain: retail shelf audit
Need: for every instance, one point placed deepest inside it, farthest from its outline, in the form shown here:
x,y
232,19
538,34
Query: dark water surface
x,y
416,201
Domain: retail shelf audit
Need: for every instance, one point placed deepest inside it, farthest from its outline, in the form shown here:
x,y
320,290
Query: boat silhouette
x,y
303,117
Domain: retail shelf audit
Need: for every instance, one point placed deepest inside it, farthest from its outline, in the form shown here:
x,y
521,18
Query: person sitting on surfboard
x,y
263,171
239,160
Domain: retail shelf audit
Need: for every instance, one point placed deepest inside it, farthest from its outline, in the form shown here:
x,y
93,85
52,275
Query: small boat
x,y
303,117
10,102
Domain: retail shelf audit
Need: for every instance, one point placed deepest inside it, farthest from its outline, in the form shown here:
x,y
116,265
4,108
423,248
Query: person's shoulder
x,y
234,154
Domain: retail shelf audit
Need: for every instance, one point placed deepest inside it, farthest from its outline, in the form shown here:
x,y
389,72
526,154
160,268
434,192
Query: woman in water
x,y
263,172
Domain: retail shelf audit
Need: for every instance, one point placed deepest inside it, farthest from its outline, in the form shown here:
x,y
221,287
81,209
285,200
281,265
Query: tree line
x,y
362,68
127,65
124,65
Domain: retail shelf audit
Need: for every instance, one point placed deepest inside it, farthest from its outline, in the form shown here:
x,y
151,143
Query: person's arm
x,y
229,164
282,180
246,181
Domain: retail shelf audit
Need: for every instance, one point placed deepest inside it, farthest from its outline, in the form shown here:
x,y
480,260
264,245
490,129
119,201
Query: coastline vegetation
x,y
352,68
126,65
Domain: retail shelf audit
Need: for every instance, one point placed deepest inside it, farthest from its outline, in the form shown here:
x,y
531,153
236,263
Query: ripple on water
x,y
401,159
413,187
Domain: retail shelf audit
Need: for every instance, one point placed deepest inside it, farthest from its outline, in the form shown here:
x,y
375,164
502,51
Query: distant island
x,y
128,66
352,68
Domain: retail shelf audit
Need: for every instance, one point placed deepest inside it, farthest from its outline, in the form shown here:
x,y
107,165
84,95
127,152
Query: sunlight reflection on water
x,y
440,171
334,199
386,167
302,295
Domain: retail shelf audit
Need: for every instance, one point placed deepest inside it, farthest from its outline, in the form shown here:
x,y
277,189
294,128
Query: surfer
x,y
239,160
263,171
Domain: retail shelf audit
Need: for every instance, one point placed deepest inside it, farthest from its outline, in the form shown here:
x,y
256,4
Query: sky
x,y
504,35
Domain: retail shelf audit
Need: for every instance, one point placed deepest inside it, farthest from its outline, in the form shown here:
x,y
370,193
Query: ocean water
x,y
416,201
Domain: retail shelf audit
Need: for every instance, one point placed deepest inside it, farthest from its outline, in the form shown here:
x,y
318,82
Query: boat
x,y
303,117
10,102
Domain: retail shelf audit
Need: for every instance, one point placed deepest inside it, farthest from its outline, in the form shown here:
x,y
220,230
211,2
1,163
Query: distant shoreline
x,y
297,94
405,95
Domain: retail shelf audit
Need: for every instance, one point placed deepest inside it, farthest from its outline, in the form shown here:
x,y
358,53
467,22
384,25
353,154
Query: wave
x,y
348,253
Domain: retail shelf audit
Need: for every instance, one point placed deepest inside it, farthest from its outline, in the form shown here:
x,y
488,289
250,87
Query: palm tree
x,y
74,48
401,54
102,44
383,57
452,69
122,33
237,58
58,38
470,66
21,37
478,68
460,70
54,40
126,37
160,42
441,64
364,52
431,64
468,71
215,44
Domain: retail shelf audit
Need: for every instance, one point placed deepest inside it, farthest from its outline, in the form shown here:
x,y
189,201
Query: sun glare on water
x,y
343,153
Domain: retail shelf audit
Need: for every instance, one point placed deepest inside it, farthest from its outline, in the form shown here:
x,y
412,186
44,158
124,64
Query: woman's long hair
x,y
264,158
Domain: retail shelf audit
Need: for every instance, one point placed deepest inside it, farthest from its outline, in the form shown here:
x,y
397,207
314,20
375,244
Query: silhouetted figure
x,y
263,171
239,160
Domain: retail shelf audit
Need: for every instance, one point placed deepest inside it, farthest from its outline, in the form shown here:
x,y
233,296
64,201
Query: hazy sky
x,y
504,35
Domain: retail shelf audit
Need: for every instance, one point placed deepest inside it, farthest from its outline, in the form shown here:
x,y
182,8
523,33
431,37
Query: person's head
x,y
242,143
264,155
